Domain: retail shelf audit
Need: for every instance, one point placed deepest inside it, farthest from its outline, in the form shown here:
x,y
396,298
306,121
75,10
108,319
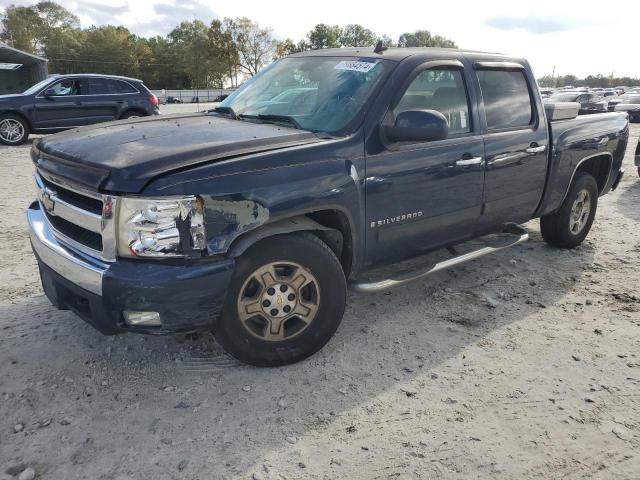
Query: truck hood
x,y
124,156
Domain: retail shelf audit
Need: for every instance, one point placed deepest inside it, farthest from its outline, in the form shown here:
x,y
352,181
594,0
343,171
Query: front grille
x,y
76,233
84,202
78,216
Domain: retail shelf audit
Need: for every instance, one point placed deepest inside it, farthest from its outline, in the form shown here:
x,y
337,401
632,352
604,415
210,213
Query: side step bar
x,y
515,235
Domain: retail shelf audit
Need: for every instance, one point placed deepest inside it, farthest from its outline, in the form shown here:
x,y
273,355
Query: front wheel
x,y
569,225
285,301
14,130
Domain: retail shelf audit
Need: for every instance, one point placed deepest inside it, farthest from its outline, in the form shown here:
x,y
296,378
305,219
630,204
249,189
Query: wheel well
x,y
598,166
17,114
134,110
335,220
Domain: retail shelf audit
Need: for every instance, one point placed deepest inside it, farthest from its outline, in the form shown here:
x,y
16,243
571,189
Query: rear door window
x,y
507,99
106,86
442,90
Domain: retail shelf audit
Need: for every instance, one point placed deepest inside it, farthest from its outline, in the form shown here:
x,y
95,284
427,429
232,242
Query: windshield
x,y
565,97
37,86
321,94
630,99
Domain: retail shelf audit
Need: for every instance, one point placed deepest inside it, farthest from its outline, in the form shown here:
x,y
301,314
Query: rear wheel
x,y
14,130
131,115
285,301
569,225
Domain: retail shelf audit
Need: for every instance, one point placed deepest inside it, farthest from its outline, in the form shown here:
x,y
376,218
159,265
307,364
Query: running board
x,y
515,233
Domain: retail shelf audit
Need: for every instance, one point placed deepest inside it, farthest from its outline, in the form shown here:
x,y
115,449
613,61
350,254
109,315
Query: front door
x,y
422,195
63,108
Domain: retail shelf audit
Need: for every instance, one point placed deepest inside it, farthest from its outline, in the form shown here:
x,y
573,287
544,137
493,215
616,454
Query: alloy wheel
x,y
580,212
11,130
278,301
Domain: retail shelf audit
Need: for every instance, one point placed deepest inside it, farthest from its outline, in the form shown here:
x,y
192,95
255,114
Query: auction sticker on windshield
x,y
363,67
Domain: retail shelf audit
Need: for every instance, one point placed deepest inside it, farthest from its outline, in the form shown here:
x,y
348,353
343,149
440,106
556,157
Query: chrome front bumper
x,y
81,270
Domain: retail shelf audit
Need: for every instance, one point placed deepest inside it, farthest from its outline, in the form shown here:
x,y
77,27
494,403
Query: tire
x,y
14,130
132,114
270,335
568,227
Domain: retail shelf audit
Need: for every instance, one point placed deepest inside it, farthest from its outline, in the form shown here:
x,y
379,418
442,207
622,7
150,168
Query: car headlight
x,y
161,227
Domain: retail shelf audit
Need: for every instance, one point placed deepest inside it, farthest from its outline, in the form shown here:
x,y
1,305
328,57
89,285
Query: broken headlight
x,y
161,227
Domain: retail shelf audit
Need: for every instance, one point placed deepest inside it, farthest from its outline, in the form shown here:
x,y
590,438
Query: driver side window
x,y
66,88
442,90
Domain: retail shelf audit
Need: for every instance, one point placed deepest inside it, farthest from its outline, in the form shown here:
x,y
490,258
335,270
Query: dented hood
x,y
124,156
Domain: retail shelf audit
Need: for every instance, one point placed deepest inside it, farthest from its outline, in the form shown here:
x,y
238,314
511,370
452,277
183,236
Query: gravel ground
x,y
525,364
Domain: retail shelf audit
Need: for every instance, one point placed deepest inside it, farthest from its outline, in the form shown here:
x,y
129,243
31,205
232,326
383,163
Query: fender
x,y
577,167
288,225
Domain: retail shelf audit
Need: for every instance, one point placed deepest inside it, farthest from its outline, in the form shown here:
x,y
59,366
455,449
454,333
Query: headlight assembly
x,y
161,227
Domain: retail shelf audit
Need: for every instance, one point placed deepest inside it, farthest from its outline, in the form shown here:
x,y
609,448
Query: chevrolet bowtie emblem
x,y
48,202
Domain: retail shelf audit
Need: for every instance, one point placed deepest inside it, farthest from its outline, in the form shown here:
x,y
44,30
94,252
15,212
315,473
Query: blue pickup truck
x,y
253,219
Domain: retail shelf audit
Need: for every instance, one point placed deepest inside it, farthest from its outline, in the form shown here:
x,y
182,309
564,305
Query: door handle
x,y
466,162
535,148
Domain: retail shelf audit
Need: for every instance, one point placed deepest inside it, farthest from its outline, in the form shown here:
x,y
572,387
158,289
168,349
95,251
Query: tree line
x,y
193,55
594,81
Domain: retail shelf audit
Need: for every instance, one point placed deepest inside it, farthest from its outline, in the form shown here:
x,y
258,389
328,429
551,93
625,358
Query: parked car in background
x,y
589,102
220,98
66,101
171,99
629,103
607,93
546,92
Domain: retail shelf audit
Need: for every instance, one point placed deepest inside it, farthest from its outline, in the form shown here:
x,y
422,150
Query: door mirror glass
x,y
418,126
49,92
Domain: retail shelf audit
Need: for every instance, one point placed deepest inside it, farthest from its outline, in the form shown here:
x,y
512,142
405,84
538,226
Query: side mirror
x,y
49,92
418,126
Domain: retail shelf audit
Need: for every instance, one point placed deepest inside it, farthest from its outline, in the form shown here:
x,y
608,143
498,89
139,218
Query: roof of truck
x,y
398,54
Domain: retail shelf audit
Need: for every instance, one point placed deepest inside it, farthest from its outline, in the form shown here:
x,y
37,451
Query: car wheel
x,y
14,130
285,301
569,225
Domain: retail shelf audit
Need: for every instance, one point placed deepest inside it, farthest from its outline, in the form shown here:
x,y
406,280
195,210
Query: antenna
x,y
379,47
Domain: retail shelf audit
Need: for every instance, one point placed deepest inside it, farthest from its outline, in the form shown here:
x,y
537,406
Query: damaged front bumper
x,y
188,295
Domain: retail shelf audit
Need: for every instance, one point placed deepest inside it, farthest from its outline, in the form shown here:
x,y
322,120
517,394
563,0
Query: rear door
x,y
516,143
421,195
64,108
107,98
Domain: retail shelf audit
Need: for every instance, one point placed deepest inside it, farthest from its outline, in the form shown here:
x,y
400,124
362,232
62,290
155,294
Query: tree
x,y
287,47
324,36
222,52
110,50
354,35
423,38
21,28
256,45
189,41
386,41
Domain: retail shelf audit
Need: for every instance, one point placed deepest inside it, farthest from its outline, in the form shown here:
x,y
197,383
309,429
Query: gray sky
x,y
571,35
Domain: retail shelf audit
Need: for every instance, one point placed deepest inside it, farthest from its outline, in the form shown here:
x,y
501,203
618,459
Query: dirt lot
x,y
521,365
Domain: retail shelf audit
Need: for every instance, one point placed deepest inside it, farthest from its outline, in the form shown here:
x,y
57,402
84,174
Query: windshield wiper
x,y
269,117
226,111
